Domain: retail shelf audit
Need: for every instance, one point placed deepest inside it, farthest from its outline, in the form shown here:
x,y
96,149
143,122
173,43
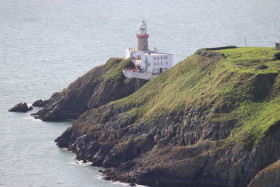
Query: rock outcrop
x,y
269,176
97,87
212,120
21,107
40,103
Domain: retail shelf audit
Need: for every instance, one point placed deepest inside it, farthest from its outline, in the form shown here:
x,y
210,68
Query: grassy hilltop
x,y
238,88
213,118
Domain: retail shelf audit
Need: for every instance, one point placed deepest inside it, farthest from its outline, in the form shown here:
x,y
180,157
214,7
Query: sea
x,y
47,44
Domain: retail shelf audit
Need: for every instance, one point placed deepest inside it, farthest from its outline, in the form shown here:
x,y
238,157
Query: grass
x,y
229,88
114,68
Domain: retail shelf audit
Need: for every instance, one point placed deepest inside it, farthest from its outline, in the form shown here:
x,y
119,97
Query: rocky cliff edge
x,y
97,87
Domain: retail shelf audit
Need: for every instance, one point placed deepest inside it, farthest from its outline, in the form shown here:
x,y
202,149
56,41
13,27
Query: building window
x,y
157,58
161,63
160,57
154,58
166,63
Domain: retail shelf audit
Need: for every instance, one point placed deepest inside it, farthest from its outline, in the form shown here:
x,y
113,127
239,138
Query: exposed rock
x,y
107,178
40,103
21,107
269,176
97,87
132,184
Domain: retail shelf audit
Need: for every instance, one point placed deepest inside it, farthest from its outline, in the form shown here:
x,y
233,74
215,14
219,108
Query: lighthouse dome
x,y
142,28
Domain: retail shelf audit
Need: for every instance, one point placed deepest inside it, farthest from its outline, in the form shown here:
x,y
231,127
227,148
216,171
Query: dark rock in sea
x,y
40,103
99,86
100,171
21,107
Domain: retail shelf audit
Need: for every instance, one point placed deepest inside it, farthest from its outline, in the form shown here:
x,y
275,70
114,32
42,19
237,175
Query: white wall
x,y
164,61
134,53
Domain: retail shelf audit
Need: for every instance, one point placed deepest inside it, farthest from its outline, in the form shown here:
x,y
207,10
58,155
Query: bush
x,y
220,48
276,56
261,67
206,53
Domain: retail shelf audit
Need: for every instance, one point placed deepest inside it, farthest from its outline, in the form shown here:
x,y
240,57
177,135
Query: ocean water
x,y
45,45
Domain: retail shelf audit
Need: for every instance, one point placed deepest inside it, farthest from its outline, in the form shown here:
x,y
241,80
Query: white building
x,y
148,63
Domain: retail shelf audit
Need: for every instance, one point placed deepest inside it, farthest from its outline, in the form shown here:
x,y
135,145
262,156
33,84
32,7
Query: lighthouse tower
x,y
148,63
142,36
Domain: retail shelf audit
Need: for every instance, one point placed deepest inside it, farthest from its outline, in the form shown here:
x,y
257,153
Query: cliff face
x,y
97,87
269,176
213,119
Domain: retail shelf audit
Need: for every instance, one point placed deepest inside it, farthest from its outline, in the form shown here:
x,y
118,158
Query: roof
x,y
155,53
142,24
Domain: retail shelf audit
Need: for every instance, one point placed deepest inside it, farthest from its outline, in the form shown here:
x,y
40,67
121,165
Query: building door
x,y
160,70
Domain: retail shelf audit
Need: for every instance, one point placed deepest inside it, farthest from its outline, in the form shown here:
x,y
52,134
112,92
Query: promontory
x,y
211,120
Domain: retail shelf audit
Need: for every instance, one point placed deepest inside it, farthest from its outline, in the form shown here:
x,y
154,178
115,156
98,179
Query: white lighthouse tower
x,y
148,63
142,43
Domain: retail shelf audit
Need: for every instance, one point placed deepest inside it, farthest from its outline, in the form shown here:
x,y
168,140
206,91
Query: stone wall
x,y
277,46
131,74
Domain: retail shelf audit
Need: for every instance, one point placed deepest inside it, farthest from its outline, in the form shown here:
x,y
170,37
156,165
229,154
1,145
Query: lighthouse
x,y
142,37
148,63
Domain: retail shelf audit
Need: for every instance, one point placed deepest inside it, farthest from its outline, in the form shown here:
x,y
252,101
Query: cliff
x,y
269,176
213,119
97,87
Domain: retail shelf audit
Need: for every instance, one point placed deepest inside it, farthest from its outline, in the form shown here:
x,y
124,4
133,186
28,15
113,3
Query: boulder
x,y
21,107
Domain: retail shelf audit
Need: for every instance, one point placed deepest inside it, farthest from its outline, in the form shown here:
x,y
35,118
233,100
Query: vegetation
x,y
114,68
226,84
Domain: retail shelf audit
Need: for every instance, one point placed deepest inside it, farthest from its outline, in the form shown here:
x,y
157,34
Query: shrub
x,y
276,56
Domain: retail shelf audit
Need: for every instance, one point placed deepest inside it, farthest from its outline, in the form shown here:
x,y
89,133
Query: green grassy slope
x,y
238,88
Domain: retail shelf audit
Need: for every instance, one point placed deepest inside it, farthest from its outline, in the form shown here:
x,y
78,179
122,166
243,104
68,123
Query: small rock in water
x,y
100,170
132,184
21,107
40,103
